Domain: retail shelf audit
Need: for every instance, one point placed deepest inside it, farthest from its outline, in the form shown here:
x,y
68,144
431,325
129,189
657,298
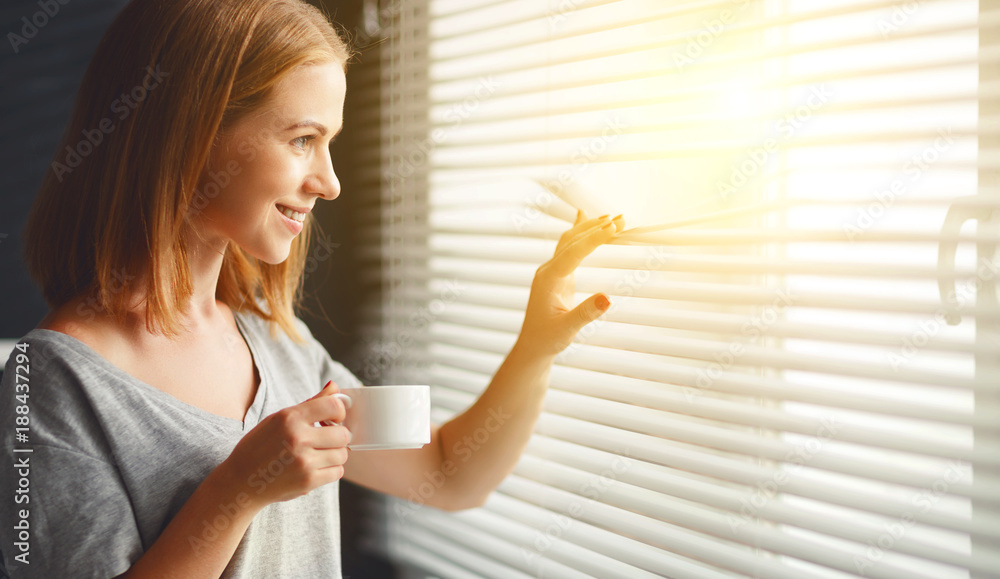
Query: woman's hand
x,y
286,455
549,323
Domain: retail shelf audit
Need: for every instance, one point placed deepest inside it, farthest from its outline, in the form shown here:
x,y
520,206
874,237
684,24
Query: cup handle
x,y
343,398
347,404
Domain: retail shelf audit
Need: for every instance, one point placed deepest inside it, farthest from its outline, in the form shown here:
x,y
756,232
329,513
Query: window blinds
x,y
799,375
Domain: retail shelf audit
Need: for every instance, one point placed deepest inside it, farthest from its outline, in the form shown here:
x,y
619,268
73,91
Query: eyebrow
x,y
318,126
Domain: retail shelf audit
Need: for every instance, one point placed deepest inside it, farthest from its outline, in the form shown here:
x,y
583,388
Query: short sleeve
x,y
79,519
329,369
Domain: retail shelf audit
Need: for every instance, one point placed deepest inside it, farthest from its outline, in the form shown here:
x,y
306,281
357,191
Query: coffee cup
x,y
387,417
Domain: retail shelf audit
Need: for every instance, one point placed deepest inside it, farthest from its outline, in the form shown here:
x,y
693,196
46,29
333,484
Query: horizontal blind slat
x,y
599,540
570,556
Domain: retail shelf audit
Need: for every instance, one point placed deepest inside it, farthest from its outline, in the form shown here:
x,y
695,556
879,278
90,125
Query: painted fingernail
x,y
603,302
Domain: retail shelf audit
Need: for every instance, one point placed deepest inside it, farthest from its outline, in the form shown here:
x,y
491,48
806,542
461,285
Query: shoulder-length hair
x,y
167,76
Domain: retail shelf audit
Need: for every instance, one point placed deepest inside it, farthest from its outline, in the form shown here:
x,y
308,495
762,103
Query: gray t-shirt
x,y
113,459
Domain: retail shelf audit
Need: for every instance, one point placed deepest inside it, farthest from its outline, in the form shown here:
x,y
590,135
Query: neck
x,y
200,310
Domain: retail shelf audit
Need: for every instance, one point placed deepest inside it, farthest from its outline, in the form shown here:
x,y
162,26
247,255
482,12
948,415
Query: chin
x,y
272,255
274,259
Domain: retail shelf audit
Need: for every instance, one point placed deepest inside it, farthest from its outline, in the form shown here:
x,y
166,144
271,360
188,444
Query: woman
x,y
171,393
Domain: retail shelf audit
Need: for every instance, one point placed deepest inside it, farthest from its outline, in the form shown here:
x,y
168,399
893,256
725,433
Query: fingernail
x,y
603,302
326,385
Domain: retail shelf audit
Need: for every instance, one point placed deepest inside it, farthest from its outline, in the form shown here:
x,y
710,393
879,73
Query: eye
x,y
301,142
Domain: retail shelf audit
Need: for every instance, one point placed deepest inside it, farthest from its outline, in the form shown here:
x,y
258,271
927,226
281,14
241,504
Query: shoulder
x,y
49,373
79,320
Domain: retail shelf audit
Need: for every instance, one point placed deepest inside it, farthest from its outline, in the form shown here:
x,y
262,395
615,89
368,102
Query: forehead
x,y
313,91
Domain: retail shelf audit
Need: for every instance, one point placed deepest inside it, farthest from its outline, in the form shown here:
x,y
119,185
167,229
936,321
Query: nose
x,y
322,180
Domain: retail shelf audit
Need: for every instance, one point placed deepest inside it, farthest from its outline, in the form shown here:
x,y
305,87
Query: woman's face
x,y
268,170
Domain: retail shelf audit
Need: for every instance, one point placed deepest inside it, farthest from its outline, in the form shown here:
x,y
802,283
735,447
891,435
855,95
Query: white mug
x,y
387,417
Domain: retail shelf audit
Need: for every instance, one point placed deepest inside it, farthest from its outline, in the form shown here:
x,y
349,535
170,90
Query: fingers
x,y
581,224
584,226
323,407
328,389
589,310
332,437
595,233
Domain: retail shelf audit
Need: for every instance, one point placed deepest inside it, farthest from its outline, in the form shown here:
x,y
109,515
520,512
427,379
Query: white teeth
x,y
291,214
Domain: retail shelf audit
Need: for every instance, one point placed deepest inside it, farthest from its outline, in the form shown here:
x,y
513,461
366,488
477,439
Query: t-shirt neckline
x,y
253,413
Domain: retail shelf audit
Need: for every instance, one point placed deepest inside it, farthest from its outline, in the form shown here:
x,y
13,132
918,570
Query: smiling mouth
x,y
295,215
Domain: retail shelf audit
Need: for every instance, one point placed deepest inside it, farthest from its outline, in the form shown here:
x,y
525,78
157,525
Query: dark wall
x,y
42,60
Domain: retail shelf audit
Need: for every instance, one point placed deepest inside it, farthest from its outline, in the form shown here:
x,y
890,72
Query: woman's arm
x,y
182,549
472,453
243,485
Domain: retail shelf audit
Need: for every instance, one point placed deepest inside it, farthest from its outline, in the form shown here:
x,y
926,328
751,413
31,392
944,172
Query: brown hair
x,y
166,78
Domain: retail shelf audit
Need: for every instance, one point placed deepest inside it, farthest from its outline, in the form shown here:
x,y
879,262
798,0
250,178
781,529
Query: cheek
x,y
250,192
267,178
242,192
